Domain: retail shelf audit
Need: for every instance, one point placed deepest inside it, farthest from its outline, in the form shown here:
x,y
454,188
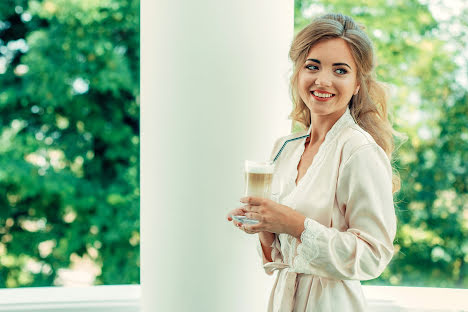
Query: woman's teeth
x,y
322,95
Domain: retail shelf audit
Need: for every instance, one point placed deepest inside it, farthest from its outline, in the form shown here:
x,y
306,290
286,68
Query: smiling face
x,y
328,79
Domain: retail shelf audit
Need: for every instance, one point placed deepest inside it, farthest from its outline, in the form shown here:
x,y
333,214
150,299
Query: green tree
x,y
429,104
69,140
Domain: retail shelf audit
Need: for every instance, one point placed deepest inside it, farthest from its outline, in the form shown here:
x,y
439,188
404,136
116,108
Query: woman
x,y
333,221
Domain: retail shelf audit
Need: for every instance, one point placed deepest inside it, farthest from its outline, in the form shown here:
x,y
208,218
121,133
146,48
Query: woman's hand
x,y
272,217
235,212
266,238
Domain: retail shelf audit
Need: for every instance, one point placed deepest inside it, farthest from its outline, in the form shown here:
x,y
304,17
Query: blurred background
x,y
69,142
69,137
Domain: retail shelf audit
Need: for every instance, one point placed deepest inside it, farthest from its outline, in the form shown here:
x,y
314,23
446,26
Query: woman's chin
x,y
321,109
325,109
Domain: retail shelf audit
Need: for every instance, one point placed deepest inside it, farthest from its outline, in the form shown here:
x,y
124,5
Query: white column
x,y
214,91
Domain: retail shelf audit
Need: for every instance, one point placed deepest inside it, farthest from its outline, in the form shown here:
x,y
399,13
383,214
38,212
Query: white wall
x,y
214,92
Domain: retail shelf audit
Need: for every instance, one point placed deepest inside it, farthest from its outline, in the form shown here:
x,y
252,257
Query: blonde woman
x,y
333,223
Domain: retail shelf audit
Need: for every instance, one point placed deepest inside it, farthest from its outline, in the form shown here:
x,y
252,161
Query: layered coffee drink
x,y
258,178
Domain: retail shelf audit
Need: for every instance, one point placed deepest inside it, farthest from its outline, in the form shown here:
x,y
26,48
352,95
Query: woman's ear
x,y
357,90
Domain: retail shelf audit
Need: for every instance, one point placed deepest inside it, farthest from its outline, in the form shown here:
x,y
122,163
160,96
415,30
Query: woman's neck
x,y
320,125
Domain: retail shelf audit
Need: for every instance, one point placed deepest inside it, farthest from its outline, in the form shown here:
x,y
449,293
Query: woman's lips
x,y
322,99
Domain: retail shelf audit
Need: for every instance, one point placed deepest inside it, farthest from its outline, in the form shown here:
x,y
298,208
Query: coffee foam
x,y
260,168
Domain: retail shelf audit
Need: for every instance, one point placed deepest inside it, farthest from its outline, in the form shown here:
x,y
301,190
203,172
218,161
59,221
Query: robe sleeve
x,y
364,194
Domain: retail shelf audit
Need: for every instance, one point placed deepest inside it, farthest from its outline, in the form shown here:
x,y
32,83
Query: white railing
x,y
119,298
416,299
126,298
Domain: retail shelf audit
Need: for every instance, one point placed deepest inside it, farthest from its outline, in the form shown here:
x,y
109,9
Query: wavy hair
x,y
369,106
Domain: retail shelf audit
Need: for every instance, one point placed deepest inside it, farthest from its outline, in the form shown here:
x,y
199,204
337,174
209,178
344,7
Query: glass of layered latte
x,y
258,180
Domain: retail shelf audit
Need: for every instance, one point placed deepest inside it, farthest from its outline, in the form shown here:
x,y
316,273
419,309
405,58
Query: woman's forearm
x,y
266,240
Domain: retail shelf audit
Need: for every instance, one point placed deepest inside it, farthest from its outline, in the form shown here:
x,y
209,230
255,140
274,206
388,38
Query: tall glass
x,y
258,179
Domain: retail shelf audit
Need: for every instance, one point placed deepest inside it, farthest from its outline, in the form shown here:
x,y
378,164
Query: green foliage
x,y
69,139
430,106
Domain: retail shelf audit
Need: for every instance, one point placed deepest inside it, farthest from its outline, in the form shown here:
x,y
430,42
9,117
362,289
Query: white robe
x,y
346,196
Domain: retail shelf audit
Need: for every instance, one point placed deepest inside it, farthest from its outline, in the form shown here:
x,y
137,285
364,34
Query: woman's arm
x,y
364,192
266,240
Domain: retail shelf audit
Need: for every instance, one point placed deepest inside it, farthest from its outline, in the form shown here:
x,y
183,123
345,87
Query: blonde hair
x,y
369,106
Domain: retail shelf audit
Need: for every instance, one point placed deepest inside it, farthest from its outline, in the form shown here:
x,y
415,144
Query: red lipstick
x,y
328,96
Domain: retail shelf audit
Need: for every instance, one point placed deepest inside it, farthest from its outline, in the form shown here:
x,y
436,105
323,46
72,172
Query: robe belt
x,y
287,300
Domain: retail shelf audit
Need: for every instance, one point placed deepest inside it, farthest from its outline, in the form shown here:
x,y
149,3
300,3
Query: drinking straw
x,y
287,141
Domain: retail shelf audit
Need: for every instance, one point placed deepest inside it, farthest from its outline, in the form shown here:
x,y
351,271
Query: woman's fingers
x,y
250,208
235,212
254,216
254,201
251,229
256,208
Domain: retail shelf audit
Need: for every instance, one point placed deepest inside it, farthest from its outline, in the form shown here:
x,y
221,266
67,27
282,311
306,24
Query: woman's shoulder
x,y
355,139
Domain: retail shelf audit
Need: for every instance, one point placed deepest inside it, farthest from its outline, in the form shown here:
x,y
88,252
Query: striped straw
x,y
287,141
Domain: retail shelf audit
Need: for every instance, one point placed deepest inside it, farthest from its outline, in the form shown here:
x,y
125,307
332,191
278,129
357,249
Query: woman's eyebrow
x,y
339,64
334,64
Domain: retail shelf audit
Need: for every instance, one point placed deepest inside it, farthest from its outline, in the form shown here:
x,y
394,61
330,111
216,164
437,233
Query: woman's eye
x,y
341,71
311,67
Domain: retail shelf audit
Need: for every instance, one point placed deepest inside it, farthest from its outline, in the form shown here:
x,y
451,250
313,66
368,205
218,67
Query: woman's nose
x,y
323,79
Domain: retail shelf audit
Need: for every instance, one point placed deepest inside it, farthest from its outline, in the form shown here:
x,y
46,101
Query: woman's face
x,y
328,79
